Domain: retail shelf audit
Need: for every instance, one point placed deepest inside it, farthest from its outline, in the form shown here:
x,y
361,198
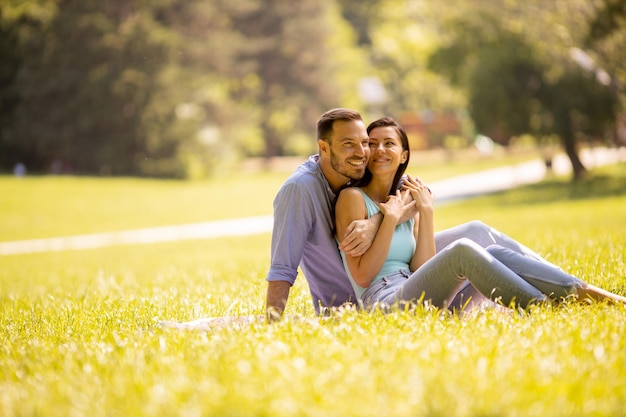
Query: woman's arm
x,y
360,233
424,231
424,228
351,206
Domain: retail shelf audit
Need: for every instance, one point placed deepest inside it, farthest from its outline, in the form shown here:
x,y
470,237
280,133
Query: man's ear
x,y
323,146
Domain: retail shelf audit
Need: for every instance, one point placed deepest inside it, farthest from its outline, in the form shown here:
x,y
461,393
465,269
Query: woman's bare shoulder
x,y
351,192
349,196
350,200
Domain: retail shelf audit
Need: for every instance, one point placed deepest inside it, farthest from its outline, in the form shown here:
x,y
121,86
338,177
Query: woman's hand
x,y
394,207
419,191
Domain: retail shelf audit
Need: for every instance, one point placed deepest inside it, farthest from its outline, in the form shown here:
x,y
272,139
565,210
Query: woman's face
x,y
386,152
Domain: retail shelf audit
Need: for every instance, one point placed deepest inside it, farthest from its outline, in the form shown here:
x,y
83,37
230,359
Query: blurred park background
x,y
191,88
117,97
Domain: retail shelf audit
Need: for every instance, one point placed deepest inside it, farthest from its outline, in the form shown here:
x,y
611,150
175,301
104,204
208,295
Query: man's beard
x,y
347,170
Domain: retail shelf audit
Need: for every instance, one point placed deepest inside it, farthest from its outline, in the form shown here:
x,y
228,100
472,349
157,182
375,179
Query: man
x,y
303,221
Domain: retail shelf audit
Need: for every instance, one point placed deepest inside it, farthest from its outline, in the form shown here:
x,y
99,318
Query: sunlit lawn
x,y
79,335
36,207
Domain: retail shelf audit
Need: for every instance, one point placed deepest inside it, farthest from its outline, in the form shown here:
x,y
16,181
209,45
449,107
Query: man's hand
x,y
277,295
360,235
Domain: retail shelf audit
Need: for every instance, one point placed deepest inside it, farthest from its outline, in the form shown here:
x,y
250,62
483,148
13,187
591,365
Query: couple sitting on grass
x,y
355,192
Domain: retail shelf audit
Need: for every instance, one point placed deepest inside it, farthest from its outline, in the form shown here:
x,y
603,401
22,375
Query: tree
x,y
18,22
500,73
118,87
513,91
84,81
170,87
397,36
9,67
579,106
361,14
606,38
283,54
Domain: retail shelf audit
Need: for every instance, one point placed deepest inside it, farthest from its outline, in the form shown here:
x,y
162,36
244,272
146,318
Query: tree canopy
x,y
184,88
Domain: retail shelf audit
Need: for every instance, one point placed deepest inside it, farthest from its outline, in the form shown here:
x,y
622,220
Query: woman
x,y
411,270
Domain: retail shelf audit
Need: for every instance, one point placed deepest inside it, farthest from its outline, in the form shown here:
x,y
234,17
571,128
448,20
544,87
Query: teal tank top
x,y
400,252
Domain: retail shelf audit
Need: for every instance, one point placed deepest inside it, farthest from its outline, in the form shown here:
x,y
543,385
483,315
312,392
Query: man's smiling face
x,y
349,149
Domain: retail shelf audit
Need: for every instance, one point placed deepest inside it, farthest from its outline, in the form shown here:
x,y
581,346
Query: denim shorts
x,y
379,291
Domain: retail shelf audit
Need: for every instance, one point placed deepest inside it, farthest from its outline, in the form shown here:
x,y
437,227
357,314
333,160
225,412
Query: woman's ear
x,y
405,156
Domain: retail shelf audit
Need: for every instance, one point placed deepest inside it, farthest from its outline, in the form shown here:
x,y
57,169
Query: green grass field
x,y
79,337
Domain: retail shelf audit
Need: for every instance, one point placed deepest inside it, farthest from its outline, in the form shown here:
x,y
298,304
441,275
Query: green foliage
x,y
361,15
512,91
9,67
400,38
89,76
174,88
606,36
608,20
585,106
498,69
169,89
283,47
579,108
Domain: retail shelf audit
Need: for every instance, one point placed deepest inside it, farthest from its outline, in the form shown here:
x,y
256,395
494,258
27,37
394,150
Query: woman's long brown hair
x,y
404,139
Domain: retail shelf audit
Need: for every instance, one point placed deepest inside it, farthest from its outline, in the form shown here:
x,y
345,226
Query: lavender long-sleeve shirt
x,y
303,236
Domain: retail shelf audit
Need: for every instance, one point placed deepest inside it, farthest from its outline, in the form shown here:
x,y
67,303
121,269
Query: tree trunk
x,y
578,169
272,147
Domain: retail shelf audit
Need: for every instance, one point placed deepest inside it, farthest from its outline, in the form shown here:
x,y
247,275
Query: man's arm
x,y
276,300
360,235
292,225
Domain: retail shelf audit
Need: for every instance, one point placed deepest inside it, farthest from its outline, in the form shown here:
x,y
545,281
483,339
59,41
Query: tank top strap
x,y
370,205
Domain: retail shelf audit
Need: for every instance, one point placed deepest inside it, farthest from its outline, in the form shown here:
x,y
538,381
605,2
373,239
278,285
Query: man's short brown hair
x,y
326,121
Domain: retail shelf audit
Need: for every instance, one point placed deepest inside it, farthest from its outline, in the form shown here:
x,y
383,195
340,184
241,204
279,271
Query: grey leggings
x,y
484,265
484,236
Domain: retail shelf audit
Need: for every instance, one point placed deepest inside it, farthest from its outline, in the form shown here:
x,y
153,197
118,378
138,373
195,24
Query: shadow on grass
x,y
601,182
